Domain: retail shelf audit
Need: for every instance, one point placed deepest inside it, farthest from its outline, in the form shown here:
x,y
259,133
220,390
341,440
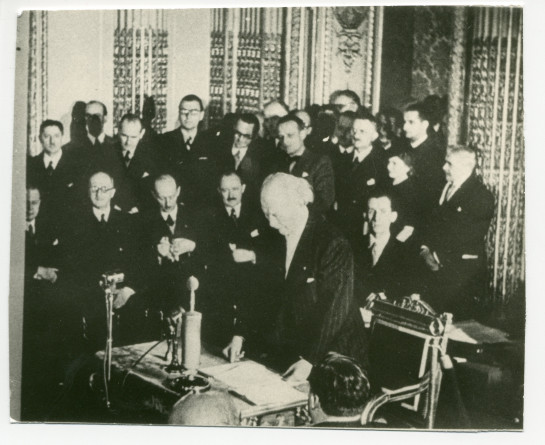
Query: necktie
x,y
30,230
127,158
102,221
238,158
293,161
188,143
170,221
50,168
97,143
374,253
450,192
234,216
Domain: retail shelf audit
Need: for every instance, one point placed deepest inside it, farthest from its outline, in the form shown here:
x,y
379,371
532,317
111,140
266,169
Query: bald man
x,y
172,244
102,239
314,311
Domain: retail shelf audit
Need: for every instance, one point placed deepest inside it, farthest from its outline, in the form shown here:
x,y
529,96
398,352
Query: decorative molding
x,y
350,36
37,78
141,64
456,88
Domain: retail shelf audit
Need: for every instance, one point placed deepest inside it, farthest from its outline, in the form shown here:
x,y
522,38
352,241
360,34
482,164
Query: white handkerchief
x,y
467,256
305,175
310,280
133,210
459,209
371,181
70,185
116,207
254,233
145,175
56,242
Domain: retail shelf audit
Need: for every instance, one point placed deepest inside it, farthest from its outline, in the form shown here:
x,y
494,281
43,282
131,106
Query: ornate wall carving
x,y
297,54
37,78
433,34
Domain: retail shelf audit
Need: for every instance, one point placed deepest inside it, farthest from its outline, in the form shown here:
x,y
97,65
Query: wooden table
x,y
139,380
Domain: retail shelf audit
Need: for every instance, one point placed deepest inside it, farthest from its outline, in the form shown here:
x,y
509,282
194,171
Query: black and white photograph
x,y
303,217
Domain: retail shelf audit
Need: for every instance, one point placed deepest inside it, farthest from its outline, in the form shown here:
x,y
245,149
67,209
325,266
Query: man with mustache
x,y
235,230
365,173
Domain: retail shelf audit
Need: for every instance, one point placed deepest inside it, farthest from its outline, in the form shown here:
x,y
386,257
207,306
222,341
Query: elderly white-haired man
x,y
315,311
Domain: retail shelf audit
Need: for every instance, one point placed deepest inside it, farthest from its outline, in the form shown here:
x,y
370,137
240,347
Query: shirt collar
x,y
344,150
419,142
360,155
299,152
235,150
237,209
55,158
31,224
173,214
99,212
100,137
189,134
298,230
379,240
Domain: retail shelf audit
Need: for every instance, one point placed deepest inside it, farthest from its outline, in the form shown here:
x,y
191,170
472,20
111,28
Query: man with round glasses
x,y
187,154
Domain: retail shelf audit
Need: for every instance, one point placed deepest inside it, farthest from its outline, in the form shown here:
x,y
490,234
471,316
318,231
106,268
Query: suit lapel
x,y
300,258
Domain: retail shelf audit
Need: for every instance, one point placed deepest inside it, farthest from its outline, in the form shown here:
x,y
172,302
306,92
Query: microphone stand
x,y
109,297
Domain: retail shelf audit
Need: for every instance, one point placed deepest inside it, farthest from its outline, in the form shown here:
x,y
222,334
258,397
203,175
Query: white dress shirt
x,y
173,214
100,138
55,158
360,155
418,142
292,240
344,150
237,210
377,245
189,134
99,212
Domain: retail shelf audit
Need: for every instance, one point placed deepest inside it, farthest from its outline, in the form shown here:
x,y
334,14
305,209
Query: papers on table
x,y
473,332
256,383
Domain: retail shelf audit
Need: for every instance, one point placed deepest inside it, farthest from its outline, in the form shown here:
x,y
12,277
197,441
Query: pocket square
x,y
56,242
371,181
145,175
310,280
70,185
459,209
305,175
254,233
467,256
203,158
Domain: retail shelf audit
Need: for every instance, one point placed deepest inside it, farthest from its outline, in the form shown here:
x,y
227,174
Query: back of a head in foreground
x,y
340,384
212,408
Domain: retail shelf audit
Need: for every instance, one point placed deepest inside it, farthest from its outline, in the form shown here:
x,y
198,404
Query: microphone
x,y
192,331
192,286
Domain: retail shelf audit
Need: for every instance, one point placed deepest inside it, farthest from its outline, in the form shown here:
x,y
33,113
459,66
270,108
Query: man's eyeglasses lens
x,y
186,113
100,189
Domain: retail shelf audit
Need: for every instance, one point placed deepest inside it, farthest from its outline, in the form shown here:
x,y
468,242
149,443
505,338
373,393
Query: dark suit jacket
x,y
90,159
356,182
407,202
134,182
93,250
316,311
195,170
429,158
168,279
317,170
391,275
251,168
232,289
456,232
57,191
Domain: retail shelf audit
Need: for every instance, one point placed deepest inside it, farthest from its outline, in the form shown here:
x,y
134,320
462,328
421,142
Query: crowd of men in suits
x,y
290,219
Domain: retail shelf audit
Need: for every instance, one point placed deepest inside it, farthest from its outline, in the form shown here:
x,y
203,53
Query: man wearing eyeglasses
x,y
244,155
187,154
102,239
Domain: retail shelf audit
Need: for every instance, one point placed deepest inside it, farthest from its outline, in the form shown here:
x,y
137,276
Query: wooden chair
x,y
406,344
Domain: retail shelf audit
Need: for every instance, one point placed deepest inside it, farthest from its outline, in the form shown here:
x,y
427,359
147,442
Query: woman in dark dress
x,y
404,196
